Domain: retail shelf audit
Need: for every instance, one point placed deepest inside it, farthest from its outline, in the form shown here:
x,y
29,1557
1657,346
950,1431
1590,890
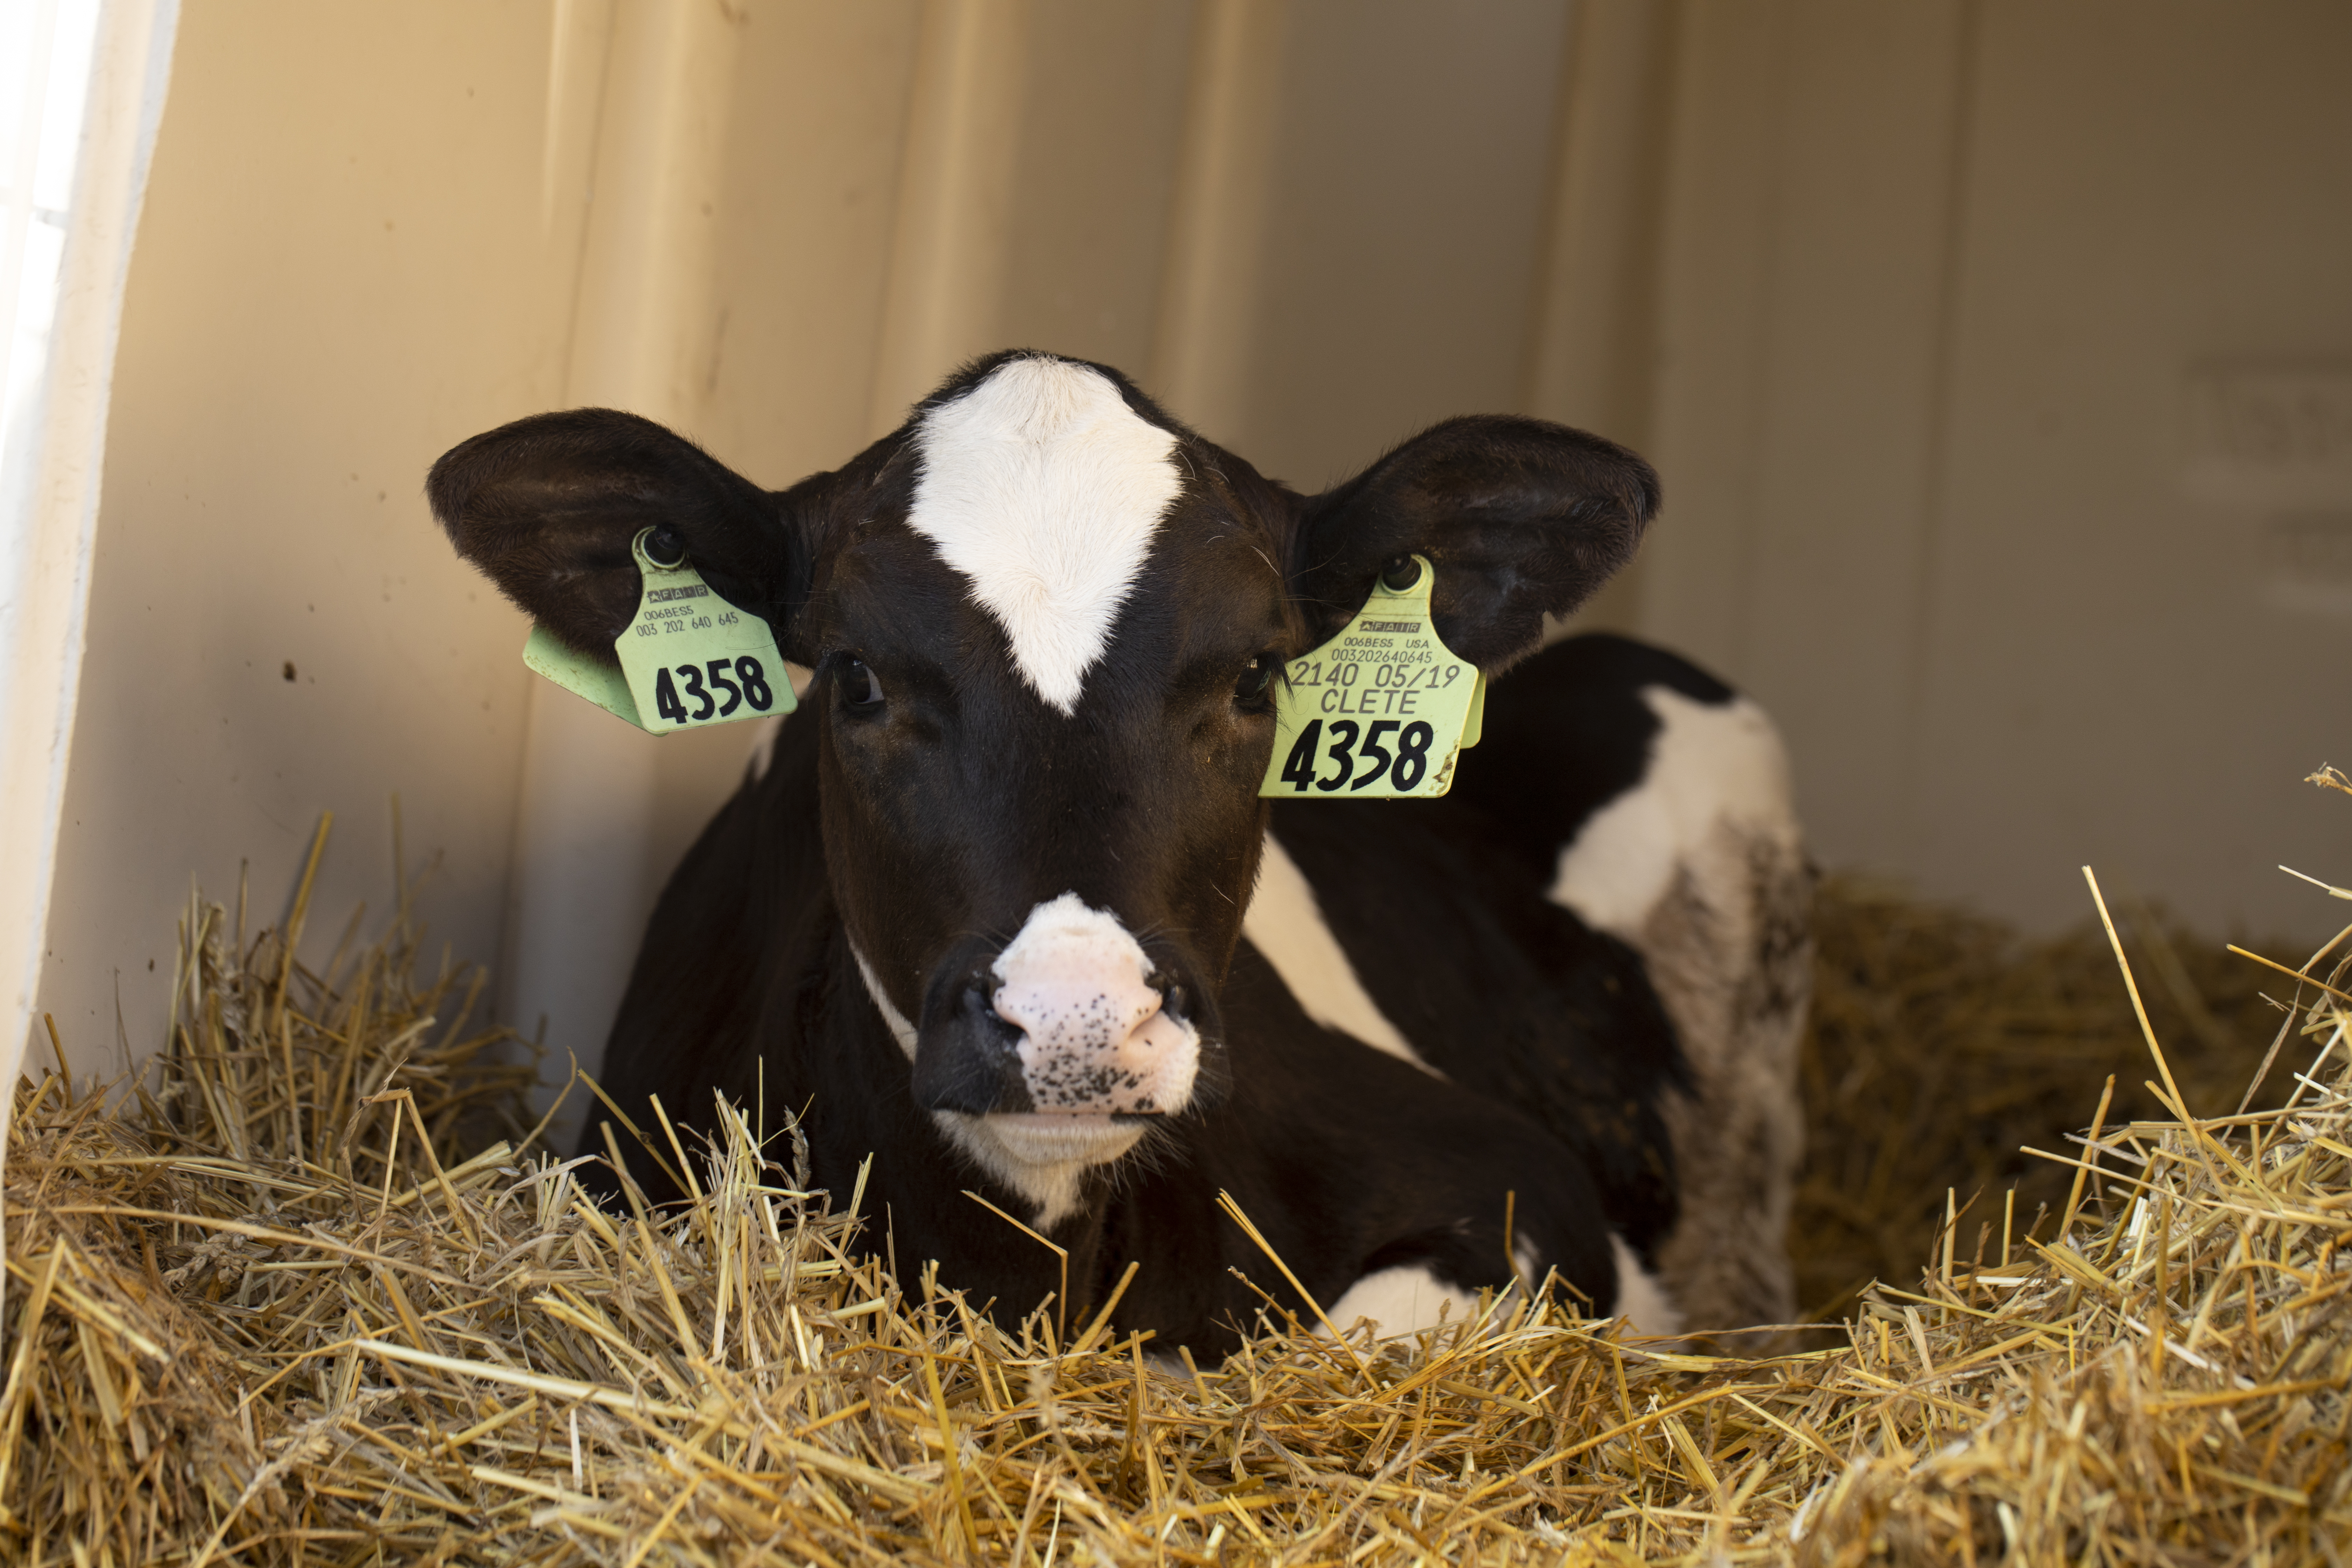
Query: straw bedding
x,y
1942,1044
297,1298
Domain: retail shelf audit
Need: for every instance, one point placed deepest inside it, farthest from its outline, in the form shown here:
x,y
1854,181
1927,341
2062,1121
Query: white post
x,y
81,90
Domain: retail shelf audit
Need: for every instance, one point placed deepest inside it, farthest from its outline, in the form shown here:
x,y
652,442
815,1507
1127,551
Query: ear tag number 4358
x,y
689,657
1383,710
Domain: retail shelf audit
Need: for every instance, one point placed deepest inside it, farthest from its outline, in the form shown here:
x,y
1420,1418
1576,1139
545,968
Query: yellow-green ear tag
x,y
689,659
600,683
1380,711
692,658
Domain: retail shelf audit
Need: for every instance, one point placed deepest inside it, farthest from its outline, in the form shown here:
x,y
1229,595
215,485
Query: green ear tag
x,y
689,657
692,658
600,683
1380,711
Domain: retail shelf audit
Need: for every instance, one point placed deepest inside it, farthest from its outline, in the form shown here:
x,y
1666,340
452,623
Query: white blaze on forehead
x,y
1043,489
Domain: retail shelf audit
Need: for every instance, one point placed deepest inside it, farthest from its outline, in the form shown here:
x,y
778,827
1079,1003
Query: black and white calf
x,y
1001,907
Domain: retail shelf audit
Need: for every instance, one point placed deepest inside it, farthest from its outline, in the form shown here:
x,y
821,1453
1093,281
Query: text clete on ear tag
x,y
1382,710
691,659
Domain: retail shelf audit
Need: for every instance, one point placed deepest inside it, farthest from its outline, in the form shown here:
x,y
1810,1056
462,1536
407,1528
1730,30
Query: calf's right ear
x,y
547,508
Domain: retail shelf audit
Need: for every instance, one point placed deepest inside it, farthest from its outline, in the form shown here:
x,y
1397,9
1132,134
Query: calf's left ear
x,y
1521,517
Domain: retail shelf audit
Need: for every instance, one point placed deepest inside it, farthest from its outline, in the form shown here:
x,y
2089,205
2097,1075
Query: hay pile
x,y
267,1311
1942,1044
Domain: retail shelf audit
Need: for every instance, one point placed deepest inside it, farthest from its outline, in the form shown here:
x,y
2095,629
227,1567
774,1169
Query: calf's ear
x,y
1520,519
547,507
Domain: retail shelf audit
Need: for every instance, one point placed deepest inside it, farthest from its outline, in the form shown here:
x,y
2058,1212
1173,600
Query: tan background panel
x,y
346,263
1940,283
1990,353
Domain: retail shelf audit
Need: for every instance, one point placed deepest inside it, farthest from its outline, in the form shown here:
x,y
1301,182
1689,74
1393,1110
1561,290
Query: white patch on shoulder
x,y
1286,926
1402,1300
1650,1312
1710,763
1043,1157
1043,489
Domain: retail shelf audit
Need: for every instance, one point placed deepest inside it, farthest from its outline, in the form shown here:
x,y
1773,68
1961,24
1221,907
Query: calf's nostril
x,y
986,1020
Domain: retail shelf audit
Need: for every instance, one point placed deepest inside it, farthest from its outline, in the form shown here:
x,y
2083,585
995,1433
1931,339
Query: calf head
x,y
1045,622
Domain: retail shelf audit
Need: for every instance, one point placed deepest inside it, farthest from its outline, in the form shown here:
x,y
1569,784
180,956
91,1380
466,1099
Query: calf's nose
x,y
1096,1036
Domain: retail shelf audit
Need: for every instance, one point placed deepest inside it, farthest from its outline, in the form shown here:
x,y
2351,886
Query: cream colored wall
x,y
1941,281
355,251
1906,301
1408,166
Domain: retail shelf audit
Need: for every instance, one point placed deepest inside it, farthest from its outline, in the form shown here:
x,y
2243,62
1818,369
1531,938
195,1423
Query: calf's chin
x,y
1044,1156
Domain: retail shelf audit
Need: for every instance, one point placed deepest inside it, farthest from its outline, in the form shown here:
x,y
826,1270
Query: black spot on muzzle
x,y
968,1057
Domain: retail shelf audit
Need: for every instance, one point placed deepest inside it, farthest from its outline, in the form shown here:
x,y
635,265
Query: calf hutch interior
x,y
1041,993
1124,1076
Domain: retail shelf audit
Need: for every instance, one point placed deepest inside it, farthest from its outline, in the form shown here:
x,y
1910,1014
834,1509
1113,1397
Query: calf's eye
x,y
859,689
1256,676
